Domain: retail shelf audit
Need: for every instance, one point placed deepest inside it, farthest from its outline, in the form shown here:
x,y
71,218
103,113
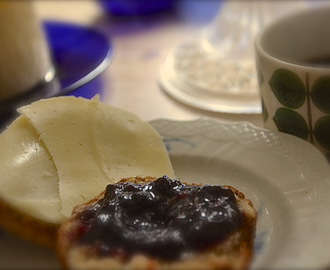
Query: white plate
x,y
189,75
286,178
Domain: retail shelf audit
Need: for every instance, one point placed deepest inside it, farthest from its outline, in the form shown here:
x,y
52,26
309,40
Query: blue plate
x,y
79,53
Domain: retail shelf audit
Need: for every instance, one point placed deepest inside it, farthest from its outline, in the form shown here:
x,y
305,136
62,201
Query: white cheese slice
x,y
93,144
28,177
127,146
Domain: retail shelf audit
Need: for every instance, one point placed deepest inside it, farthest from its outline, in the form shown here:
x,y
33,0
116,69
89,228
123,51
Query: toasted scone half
x,y
234,252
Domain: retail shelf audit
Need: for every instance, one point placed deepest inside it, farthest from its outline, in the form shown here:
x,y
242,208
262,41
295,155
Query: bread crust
x,y
24,226
235,252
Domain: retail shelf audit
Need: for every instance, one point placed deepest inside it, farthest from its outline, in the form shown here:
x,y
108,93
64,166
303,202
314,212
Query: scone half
x,y
235,251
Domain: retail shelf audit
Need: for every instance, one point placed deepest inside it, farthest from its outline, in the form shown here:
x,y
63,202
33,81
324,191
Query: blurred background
x,y
140,41
178,59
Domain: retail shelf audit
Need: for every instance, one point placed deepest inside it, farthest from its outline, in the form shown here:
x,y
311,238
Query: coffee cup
x,y
293,67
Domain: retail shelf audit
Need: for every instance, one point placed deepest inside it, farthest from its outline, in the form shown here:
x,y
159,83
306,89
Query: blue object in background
x,y
79,53
135,7
89,89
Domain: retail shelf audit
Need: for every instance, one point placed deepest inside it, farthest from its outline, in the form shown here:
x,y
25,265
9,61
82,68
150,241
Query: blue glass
x,y
135,7
89,89
79,54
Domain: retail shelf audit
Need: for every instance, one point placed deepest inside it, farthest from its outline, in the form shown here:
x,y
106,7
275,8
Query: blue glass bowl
x,y
78,53
134,7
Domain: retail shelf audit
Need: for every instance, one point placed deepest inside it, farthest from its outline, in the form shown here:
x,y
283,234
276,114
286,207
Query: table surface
x,y
140,45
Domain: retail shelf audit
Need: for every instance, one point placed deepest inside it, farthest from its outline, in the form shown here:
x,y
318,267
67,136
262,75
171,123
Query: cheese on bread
x,y
63,151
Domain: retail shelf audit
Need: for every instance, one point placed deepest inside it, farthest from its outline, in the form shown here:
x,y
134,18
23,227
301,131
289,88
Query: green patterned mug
x,y
293,64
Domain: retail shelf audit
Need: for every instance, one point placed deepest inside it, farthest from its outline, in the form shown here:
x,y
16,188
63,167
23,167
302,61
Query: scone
x,y
149,223
61,152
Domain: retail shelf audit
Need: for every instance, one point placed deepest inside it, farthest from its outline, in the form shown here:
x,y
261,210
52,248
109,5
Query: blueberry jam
x,y
163,219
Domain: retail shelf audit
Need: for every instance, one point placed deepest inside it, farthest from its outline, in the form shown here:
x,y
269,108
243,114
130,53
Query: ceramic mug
x,y
25,61
293,66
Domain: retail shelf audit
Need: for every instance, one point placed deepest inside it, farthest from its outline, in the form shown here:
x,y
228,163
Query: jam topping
x,y
163,219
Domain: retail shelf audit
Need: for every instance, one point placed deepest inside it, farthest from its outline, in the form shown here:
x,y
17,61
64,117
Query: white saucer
x,y
197,79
